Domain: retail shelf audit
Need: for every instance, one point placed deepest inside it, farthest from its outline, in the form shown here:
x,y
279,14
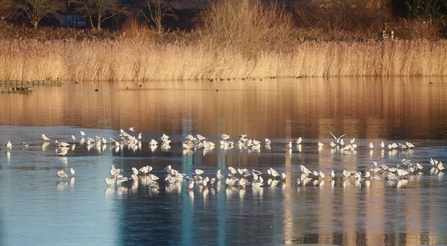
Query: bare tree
x,y
98,11
35,10
158,9
7,10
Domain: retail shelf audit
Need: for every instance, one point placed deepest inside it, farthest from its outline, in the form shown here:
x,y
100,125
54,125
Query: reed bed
x,y
124,60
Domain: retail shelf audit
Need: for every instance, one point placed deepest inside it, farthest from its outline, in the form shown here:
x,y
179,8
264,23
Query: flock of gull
x,y
240,177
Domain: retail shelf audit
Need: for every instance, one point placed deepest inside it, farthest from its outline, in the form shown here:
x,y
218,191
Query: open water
x,y
39,208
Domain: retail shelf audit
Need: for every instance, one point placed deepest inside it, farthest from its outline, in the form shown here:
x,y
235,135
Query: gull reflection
x,y
44,146
191,194
205,192
242,193
188,152
321,183
401,183
258,191
61,185
121,190
134,185
109,190
63,160
72,181
8,155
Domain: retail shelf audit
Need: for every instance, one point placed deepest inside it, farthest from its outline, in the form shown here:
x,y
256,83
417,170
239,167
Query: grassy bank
x,y
114,60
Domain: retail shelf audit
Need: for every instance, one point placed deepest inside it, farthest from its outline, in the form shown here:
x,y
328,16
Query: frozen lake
x,y
39,208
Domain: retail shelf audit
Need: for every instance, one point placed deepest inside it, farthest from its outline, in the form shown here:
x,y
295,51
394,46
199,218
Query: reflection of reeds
x,y
128,59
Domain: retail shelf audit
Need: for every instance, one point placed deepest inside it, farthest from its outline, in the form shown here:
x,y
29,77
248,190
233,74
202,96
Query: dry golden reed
x,y
127,59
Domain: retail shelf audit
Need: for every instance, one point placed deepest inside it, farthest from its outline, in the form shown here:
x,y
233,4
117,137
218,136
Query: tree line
x,y
329,15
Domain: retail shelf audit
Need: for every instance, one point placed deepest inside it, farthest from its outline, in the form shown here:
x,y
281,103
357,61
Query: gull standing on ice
x,y
61,174
45,138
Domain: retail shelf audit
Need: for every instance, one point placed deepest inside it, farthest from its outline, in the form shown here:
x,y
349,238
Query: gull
x,y
352,141
419,166
403,146
146,169
346,174
371,145
114,171
382,144
255,176
298,181
8,145
225,136
134,171
433,162
153,177
200,137
283,176
25,145
272,172
61,174
198,171
134,177
131,128
205,181
357,175
121,179
219,175
348,147
63,151
63,144
243,137
242,183
164,137
191,185
409,145
299,140
321,174
188,145
320,144
72,171
305,170
267,141
440,166
110,181
82,133
232,170
337,140
190,137
45,138
153,142
332,174
401,173
168,168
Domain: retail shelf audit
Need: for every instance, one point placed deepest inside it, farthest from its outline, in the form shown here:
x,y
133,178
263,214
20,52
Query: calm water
x,y
39,208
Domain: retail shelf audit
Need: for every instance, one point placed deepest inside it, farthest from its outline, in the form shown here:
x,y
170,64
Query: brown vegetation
x,y
235,40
